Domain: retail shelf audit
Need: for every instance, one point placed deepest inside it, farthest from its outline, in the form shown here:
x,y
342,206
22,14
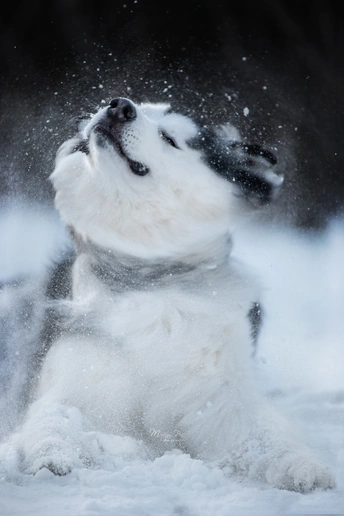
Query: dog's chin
x,y
107,136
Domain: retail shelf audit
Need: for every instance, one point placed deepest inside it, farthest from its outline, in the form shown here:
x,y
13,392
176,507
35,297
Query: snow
x,y
300,363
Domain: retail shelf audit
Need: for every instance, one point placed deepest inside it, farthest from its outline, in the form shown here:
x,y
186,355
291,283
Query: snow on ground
x,y
300,364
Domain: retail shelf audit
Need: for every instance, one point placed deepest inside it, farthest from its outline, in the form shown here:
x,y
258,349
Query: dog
x,y
153,341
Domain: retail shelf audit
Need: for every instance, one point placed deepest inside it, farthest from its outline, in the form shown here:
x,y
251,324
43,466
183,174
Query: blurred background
x,y
282,60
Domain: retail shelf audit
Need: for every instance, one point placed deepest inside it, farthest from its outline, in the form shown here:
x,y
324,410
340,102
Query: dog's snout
x,y
123,110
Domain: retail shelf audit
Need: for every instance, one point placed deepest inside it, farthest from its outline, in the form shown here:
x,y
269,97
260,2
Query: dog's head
x,y
144,180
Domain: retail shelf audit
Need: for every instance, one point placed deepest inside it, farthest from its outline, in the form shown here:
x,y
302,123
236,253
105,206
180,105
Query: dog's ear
x,y
250,167
253,170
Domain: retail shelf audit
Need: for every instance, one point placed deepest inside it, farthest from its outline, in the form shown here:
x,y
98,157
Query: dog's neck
x,y
122,272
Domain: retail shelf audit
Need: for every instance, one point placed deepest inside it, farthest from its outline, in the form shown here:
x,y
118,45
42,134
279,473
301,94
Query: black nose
x,y
123,110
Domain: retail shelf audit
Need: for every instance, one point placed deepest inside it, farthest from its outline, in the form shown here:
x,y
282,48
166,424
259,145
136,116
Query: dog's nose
x,y
123,110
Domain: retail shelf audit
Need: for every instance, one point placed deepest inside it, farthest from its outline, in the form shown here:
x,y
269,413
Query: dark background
x,y
283,60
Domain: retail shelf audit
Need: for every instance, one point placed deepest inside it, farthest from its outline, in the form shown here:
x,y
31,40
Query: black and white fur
x,y
156,337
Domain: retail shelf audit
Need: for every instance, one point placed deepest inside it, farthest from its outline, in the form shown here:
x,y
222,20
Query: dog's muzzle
x,y
110,127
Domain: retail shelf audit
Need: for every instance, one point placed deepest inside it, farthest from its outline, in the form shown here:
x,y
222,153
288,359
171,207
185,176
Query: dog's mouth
x,y
136,167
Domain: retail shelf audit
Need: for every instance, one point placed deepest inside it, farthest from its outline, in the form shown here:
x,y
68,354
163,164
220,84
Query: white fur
x,y
170,365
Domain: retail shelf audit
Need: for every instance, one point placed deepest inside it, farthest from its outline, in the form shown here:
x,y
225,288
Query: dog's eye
x,y
168,139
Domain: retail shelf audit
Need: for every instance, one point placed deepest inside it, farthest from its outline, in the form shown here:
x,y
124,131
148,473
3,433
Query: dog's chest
x,y
156,329
141,346
177,314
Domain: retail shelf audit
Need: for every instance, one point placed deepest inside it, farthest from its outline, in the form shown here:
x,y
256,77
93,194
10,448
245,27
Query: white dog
x,y
155,342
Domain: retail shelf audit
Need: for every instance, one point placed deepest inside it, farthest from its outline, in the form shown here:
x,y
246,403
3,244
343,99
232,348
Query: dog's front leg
x,y
50,438
235,426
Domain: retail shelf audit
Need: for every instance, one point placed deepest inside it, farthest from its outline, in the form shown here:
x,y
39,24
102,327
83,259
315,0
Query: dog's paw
x,y
58,464
54,455
300,472
59,468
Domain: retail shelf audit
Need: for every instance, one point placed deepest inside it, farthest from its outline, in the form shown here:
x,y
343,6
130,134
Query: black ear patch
x,y
248,166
